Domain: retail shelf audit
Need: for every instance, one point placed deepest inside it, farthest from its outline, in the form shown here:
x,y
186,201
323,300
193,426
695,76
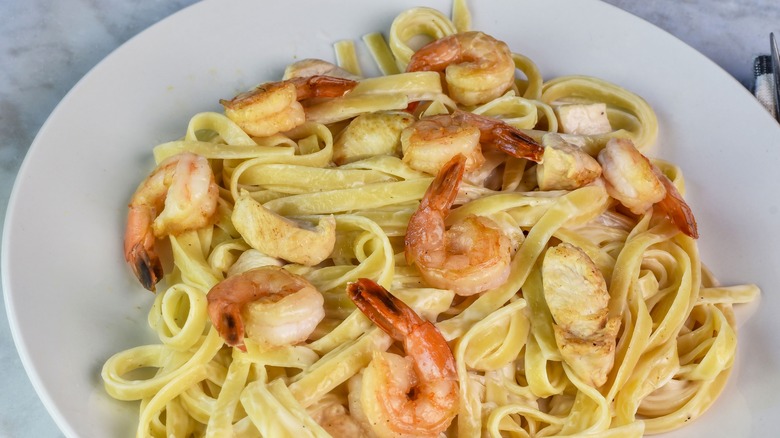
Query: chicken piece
x,y
336,419
578,300
280,237
584,119
565,166
371,134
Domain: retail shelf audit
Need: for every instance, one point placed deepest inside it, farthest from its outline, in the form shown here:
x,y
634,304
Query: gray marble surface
x,y
47,45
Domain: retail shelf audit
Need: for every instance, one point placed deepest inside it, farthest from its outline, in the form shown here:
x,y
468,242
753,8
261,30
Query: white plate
x,y
72,302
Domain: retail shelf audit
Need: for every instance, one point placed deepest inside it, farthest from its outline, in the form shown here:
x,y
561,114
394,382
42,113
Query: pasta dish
x,y
455,247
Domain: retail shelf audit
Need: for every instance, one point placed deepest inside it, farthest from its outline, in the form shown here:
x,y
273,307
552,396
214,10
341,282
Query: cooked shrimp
x,y
316,67
179,195
469,258
629,176
578,300
634,181
676,208
270,304
416,395
275,106
477,67
565,166
433,141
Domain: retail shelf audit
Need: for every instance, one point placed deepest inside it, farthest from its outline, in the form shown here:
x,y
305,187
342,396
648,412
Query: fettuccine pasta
x,y
564,300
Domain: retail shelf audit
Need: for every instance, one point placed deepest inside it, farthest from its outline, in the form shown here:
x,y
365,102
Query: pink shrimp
x,y
275,106
469,258
477,67
634,181
412,396
179,195
432,141
270,304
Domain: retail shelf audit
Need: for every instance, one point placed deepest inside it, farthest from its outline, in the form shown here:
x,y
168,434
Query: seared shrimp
x,y
416,395
275,106
634,181
179,195
271,305
469,258
477,67
316,67
433,141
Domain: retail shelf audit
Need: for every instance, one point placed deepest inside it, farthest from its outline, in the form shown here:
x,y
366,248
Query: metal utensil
x,y
776,72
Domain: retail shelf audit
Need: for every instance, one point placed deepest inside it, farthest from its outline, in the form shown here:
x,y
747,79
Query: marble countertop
x,y
46,46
